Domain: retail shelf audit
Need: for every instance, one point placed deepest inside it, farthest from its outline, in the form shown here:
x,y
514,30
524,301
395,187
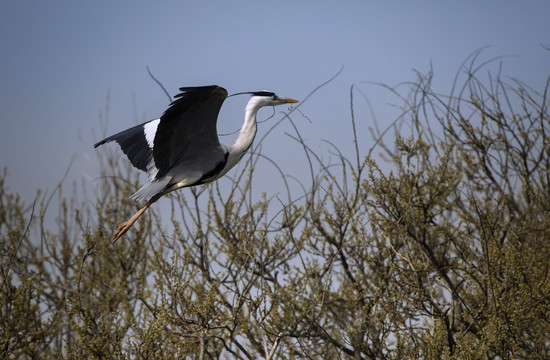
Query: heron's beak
x,y
286,100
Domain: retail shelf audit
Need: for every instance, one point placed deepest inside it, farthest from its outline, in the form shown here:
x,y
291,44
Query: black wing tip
x,y
205,87
190,90
106,140
193,93
100,143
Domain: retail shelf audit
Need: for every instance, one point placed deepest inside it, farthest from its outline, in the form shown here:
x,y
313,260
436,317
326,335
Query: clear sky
x,y
60,59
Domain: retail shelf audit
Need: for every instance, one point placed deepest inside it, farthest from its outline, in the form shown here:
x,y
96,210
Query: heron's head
x,y
266,98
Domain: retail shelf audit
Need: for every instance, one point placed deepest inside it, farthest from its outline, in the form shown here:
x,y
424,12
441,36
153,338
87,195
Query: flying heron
x,y
182,147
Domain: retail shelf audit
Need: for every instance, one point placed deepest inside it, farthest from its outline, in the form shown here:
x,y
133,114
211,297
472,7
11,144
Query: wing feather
x,y
134,144
181,146
187,134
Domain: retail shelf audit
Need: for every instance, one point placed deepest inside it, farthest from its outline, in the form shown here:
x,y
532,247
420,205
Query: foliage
x,y
441,252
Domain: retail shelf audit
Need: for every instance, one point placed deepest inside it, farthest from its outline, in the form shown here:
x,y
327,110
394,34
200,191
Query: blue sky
x,y
60,59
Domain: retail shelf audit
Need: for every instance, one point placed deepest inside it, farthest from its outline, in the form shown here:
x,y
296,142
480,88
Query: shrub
x,y
440,251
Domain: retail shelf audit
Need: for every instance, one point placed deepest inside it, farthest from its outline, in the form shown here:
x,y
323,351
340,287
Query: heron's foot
x,y
121,230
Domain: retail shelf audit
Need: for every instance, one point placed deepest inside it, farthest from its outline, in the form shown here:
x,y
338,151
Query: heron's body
x,y
182,147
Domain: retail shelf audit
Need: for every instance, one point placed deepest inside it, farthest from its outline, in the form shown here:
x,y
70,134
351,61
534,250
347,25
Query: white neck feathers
x,y
248,130
247,134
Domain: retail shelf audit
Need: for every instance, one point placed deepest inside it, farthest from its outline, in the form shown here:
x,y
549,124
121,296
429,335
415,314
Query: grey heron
x,y
182,147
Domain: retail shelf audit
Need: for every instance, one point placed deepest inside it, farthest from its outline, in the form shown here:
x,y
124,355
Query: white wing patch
x,y
150,130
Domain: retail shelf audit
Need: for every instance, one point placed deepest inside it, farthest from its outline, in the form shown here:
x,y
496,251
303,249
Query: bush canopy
x,y
435,244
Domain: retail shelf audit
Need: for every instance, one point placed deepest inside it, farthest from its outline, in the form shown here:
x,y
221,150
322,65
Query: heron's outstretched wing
x,y
133,143
187,132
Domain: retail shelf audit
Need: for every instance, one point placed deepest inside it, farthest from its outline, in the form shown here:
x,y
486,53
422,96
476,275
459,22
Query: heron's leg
x,y
125,226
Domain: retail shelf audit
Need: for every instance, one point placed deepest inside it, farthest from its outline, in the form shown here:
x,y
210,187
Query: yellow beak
x,y
287,100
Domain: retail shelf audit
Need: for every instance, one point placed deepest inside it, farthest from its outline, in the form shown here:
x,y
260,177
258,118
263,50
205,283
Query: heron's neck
x,y
246,136
248,130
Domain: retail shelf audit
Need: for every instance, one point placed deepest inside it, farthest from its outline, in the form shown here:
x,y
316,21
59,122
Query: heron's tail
x,y
152,188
